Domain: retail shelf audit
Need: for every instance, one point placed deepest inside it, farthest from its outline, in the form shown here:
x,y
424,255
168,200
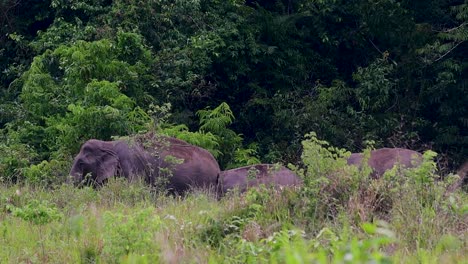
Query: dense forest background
x,y
245,79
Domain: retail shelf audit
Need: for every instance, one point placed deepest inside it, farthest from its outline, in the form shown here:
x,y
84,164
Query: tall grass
x,y
338,216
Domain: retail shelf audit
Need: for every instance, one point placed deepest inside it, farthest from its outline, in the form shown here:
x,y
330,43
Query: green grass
x,y
128,223
339,215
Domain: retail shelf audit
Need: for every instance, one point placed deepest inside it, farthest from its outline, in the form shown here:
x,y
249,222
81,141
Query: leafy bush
x,y
84,90
121,224
77,91
37,212
291,246
331,186
102,112
131,234
215,136
47,173
14,158
328,181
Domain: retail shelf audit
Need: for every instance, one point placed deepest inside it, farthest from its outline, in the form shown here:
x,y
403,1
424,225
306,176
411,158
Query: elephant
x,y
184,164
254,175
384,159
462,172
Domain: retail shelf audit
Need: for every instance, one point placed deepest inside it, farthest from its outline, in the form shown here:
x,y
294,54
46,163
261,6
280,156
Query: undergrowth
x,y
339,215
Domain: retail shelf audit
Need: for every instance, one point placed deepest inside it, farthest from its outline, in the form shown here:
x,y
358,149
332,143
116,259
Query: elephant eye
x,y
87,149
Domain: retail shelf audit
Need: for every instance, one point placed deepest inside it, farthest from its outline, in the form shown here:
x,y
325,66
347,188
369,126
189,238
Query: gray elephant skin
x,y
104,159
462,172
384,159
254,175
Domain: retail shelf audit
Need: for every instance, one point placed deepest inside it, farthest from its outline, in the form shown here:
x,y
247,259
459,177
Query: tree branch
x,y
451,29
377,48
450,50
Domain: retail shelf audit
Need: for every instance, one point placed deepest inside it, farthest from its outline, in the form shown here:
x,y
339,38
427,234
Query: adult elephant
x,y
384,159
254,175
147,158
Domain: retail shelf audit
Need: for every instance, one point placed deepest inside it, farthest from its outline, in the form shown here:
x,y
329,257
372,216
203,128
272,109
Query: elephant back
x,y
249,176
384,159
189,165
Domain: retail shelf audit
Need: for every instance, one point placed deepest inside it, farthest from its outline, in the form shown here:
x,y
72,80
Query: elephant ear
x,y
108,167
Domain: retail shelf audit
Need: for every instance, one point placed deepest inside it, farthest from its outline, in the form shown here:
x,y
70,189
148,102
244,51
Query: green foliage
x,y
81,91
60,77
160,124
14,157
331,186
37,212
46,173
230,228
389,71
329,247
320,158
103,112
213,135
18,25
357,250
328,182
125,222
444,88
245,156
216,121
241,236
125,234
206,140
374,88
62,32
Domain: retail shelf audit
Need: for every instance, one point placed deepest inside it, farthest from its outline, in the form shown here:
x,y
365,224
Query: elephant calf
x,y
254,175
384,159
184,165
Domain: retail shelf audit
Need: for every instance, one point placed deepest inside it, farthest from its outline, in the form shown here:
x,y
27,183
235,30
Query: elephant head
x,y
96,162
182,164
384,159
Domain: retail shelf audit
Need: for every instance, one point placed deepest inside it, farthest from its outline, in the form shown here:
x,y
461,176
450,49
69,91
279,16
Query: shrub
x,y
215,136
126,234
47,172
14,158
37,212
328,181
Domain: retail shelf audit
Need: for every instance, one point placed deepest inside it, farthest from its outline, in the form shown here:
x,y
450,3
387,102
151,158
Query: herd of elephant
x,y
190,166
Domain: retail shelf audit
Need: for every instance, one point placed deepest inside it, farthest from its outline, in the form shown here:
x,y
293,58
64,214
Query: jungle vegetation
x,y
247,80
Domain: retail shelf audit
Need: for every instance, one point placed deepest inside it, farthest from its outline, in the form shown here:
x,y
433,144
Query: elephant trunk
x,y
75,176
